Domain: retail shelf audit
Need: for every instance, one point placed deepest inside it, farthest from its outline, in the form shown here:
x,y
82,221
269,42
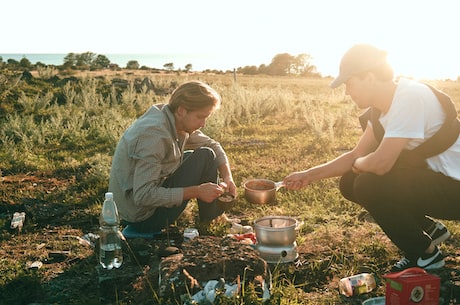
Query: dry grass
x,y
269,127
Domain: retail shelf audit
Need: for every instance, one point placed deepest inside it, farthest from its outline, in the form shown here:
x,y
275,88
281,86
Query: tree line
x,y
281,64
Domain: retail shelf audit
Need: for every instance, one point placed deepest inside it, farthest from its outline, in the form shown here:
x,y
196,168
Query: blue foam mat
x,y
130,232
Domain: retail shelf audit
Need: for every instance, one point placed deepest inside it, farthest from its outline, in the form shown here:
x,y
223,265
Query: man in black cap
x,y
406,165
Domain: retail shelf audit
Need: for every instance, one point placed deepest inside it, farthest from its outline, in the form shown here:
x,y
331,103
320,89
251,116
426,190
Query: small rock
x,y
34,265
168,251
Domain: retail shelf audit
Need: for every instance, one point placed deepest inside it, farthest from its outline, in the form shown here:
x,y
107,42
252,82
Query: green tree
x,y
281,64
132,65
188,67
248,70
70,60
25,63
101,62
12,63
301,61
263,69
85,60
169,66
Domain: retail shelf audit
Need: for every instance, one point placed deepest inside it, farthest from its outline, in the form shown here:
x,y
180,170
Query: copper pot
x,y
261,191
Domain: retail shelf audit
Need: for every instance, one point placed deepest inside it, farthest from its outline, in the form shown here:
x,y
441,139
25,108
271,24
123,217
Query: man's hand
x,y
209,191
228,185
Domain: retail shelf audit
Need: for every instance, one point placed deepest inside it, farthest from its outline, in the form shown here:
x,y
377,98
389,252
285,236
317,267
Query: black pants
x,y
401,200
199,166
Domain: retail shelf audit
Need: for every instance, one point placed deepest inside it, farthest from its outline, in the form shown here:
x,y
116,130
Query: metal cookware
x,y
226,201
275,231
261,190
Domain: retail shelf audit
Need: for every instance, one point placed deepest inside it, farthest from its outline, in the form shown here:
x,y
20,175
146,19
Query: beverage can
x,y
190,233
357,284
18,220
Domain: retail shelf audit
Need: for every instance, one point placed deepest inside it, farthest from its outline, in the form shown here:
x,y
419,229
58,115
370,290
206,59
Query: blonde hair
x,y
194,95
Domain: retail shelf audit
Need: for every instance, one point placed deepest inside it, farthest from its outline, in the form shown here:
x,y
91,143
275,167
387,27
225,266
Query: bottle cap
x,y
109,195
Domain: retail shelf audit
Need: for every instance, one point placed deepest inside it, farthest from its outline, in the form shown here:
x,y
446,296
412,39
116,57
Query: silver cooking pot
x,y
261,190
275,231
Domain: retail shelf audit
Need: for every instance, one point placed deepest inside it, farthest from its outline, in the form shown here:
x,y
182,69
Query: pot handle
x,y
279,185
413,270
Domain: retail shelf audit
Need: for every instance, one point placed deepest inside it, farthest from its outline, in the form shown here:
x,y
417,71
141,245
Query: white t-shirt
x,y
416,113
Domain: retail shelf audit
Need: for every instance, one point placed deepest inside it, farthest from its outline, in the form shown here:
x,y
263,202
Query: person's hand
x,y
296,181
209,191
228,185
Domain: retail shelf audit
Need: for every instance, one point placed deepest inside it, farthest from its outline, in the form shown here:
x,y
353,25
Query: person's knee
x,y
205,153
346,185
208,151
365,189
204,160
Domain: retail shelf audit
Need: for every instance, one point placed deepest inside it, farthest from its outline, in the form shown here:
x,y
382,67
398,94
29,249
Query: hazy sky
x,y
421,36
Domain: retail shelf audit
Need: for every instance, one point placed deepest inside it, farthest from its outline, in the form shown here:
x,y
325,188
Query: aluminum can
x,y
357,284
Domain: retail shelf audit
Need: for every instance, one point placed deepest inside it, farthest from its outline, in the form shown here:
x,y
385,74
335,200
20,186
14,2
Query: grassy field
x,y
55,156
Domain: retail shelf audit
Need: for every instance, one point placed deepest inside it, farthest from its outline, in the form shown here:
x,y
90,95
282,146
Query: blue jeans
x,y
199,166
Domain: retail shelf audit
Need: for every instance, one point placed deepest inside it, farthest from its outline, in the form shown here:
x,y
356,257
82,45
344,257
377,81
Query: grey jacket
x,y
148,152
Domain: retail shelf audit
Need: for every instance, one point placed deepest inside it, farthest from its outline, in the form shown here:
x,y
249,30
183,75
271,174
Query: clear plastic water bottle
x,y
357,284
110,251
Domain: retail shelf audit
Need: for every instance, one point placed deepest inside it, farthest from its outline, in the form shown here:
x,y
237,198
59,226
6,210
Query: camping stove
x,y
276,237
278,254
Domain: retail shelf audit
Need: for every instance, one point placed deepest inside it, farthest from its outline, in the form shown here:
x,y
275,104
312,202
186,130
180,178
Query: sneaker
x,y
431,261
439,233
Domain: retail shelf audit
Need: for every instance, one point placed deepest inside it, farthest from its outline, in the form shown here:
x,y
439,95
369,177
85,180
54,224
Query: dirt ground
x,y
53,260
